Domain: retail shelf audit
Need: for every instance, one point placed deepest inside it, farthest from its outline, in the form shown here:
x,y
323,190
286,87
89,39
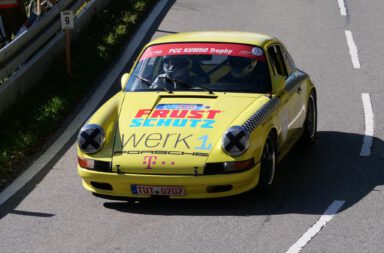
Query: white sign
x,y
67,20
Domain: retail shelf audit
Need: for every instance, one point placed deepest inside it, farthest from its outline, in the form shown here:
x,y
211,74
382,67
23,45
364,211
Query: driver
x,y
241,71
176,72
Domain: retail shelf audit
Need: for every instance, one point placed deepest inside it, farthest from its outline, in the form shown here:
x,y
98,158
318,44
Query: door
x,y
292,112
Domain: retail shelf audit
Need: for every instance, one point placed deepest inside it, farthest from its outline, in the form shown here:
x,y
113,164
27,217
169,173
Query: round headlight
x,y
235,141
91,138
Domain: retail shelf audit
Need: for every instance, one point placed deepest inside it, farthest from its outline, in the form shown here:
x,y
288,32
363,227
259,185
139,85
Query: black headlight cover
x,y
235,141
91,138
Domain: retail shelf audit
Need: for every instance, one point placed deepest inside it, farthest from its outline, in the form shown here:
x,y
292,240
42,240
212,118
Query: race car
x,y
200,115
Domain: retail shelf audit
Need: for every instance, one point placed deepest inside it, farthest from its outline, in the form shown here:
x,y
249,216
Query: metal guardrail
x,y
11,56
24,61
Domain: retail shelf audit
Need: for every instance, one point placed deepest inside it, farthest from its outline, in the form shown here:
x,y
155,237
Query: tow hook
x,y
118,169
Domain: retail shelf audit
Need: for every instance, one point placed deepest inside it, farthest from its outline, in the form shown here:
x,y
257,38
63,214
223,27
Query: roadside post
x,y
38,7
67,25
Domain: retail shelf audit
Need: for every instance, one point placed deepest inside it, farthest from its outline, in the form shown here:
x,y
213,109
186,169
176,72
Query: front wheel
x,y
267,165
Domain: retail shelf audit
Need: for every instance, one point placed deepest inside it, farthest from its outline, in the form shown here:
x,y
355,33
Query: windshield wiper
x,y
146,81
176,81
203,88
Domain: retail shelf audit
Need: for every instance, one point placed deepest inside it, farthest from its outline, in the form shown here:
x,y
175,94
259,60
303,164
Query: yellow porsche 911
x,y
200,115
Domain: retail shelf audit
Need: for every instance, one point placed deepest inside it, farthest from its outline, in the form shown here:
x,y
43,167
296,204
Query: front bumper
x,y
195,186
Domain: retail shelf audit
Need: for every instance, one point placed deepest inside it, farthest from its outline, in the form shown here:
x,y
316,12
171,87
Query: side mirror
x,y
124,80
279,84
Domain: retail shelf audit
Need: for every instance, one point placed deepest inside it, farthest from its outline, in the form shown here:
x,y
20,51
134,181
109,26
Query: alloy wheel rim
x,y
270,157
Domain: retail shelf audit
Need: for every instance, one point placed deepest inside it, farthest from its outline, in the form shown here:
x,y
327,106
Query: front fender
x,y
106,117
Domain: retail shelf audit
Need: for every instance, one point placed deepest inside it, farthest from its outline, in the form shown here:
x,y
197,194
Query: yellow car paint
x,y
165,147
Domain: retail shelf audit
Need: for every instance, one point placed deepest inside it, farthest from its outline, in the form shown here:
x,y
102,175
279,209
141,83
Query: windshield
x,y
201,66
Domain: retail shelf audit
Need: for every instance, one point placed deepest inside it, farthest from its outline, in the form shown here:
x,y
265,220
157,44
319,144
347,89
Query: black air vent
x,y
103,166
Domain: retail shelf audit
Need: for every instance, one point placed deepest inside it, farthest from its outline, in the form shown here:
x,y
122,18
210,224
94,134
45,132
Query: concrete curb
x,y
89,107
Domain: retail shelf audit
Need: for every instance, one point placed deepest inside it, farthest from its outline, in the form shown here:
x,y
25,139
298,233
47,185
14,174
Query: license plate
x,y
158,190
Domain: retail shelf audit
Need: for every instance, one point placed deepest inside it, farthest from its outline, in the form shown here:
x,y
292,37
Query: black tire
x,y
268,164
310,124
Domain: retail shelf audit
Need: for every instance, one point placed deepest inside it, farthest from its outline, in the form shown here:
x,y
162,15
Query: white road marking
x,y
92,103
343,10
326,217
369,125
352,50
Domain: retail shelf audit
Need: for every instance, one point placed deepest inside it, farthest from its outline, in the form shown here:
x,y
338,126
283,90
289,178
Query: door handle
x,y
299,90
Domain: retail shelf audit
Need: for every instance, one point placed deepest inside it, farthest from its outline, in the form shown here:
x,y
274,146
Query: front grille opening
x,y
219,188
103,166
102,186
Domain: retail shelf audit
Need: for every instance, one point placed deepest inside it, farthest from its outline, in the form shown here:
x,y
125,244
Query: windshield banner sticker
x,y
204,49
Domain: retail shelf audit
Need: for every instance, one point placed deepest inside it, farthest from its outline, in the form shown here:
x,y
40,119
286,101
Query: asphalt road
x,y
57,215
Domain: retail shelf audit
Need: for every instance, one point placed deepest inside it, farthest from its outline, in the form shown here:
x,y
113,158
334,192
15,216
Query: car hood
x,y
162,133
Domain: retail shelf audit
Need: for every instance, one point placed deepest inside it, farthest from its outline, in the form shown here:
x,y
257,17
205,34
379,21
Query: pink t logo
x,y
151,159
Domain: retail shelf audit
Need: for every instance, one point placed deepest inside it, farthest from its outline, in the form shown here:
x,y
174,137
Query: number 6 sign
x,y
66,20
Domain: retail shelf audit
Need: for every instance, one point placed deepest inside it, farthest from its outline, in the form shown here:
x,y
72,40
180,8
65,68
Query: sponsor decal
x,y
160,152
176,115
204,145
257,51
152,160
246,53
156,140
228,49
155,53
182,106
159,140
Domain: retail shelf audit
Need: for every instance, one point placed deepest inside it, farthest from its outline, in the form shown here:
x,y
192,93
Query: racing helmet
x,y
241,66
176,67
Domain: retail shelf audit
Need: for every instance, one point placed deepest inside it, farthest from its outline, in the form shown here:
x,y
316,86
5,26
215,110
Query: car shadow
x,y
307,182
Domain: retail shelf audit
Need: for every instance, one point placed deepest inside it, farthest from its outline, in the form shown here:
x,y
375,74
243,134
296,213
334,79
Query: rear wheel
x,y
267,165
310,124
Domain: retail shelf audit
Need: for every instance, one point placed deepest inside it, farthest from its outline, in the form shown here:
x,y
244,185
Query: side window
x,y
277,60
288,61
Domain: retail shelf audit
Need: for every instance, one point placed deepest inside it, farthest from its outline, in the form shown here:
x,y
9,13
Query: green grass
x,y
29,124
